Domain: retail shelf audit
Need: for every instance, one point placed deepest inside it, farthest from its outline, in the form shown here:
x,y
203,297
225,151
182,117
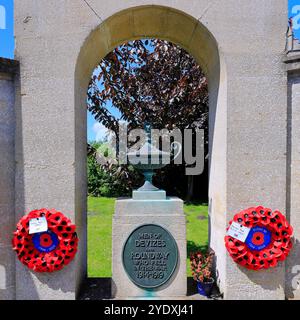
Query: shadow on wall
x,y
292,280
8,75
274,276
292,271
287,272
58,281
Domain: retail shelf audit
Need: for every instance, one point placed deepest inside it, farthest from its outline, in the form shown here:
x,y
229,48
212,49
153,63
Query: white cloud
x,y
100,131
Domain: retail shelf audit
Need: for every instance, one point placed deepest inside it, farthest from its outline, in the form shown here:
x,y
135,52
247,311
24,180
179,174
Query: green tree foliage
x,y
109,182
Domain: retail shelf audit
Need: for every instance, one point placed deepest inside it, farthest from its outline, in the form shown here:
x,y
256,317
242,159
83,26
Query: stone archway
x,y
184,30
58,47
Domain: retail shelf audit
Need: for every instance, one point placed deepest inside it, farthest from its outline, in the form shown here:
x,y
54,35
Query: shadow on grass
x,y
195,203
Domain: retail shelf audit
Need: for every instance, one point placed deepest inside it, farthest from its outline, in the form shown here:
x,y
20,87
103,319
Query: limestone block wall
x,y
58,45
292,284
8,69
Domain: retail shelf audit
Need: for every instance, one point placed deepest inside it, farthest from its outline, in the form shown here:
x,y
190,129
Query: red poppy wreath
x,y
268,241
46,251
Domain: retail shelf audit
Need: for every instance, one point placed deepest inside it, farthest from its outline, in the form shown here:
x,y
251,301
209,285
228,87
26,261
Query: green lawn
x,y
100,211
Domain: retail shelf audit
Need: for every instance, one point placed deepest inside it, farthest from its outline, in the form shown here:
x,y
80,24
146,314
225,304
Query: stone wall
x,y
8,68
248,114
293,173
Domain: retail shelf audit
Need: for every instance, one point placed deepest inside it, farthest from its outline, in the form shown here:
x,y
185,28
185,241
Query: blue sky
x,y
6,29
95,130
294,11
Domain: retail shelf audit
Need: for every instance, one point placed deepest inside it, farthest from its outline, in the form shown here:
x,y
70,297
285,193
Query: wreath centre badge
x,y
258,238
45,241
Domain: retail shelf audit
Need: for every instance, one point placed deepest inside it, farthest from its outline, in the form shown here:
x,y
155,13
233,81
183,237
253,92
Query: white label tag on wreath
x,y
38,225
238,231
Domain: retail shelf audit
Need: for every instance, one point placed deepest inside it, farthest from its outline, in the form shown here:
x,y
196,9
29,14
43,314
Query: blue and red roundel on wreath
x,y
46,251
269,239
45,241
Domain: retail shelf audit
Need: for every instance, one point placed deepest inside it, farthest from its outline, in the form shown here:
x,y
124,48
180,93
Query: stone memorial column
x,y
149,246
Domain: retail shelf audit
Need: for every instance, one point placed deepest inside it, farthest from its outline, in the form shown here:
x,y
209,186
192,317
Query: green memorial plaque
x,y
150,256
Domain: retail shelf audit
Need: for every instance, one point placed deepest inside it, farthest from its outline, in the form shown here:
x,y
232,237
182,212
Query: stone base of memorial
x,y
149,247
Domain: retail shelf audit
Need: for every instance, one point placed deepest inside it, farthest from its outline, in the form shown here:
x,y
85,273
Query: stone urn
x,y
147,159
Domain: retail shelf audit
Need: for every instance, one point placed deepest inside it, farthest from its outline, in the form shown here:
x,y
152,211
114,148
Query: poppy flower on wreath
x,y
47,251
269,239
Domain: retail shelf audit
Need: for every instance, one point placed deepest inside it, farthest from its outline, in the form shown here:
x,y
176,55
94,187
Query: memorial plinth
x,y
149,247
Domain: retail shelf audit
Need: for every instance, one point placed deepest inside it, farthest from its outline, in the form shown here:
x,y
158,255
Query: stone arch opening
x,y
187,32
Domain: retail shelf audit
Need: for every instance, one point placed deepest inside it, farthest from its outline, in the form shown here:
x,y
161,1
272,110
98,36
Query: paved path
x,y
100,289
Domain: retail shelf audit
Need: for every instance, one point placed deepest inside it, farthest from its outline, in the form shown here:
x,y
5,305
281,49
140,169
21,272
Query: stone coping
x,y
9,66
292,61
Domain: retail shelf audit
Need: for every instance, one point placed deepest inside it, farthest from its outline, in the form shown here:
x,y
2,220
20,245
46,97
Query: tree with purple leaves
x,y
150,81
